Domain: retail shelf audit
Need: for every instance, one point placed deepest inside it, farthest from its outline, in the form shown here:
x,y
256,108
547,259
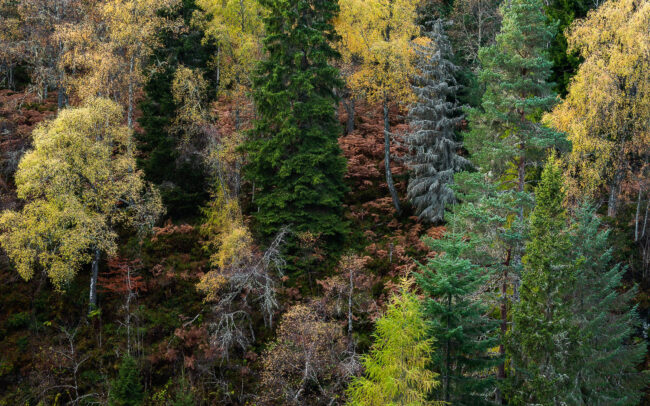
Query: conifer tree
x,y
127,389
396,367
506,136
433,147
607,372
458,322
542,346
295,164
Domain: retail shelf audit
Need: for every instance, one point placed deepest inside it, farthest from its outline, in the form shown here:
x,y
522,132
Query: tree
x,y
79,182
295,163
458,320
305,365
109,49
607,373
605,112
238,28
506,136
167,158
433,149
542,346
379,33
396,367
127,389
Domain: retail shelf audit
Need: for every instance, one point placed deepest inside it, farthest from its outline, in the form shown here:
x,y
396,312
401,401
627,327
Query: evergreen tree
x,y
295,164
183,181
459,323
542,343
396,367
606,373
506,136
565,62
127,389
433,148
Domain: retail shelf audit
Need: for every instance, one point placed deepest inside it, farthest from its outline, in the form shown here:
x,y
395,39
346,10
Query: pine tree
x,y
542,343
459,323
433,147
506,136
609,355
127,389
295,164
396,367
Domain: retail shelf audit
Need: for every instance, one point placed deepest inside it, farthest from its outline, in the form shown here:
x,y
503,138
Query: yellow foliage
x,y
606,111
238,28
379,33
79,179
227,239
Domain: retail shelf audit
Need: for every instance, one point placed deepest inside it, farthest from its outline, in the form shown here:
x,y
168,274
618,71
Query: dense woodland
x,y
322,202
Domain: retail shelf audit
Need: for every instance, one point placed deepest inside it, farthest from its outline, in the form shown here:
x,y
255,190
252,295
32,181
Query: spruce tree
x,y
606,373
542,344
127,389
295,164
396,370
433,146
459,323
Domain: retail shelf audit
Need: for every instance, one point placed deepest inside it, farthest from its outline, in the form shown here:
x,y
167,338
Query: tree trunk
x,y
349,108
389,174
129,117
612,203
93,281
501,369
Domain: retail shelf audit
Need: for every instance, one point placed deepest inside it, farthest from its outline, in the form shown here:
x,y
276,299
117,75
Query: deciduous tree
x,y
605,112
79,182
396,370
378,33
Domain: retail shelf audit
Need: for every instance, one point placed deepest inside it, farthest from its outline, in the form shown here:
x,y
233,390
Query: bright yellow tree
x,y
605,113
79,182
379,34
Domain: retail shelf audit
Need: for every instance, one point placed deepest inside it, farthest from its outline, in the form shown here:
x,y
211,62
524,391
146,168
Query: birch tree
x,y
79,183
378,33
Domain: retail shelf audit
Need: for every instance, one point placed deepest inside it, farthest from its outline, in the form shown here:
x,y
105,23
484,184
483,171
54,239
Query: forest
x,y
325,202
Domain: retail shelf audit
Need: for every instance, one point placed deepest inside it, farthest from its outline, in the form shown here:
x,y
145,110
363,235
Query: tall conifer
x,y
459,323
295,163
433,146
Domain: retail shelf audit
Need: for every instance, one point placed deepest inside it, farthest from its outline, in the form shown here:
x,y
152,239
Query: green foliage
x,y
126,390
458,322
184,181
565,62
397,366
295,162
541,343
505,136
